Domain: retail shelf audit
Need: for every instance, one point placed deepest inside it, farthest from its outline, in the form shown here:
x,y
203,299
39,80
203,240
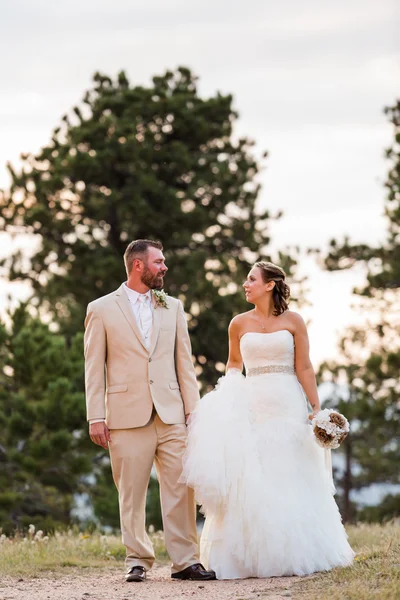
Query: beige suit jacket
x,y
123,379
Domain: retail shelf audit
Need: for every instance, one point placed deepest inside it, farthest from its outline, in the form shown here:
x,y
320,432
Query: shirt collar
x,y
133,296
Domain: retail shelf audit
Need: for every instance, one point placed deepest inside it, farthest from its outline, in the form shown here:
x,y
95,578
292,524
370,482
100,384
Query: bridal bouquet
x,y
330,428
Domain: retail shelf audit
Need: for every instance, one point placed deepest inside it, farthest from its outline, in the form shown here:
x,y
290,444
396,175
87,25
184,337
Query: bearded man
x,y
140,390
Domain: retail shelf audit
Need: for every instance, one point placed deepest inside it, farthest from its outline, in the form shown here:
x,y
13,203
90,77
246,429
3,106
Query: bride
x,y
264,484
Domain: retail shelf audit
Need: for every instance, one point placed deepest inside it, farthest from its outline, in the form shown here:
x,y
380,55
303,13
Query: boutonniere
x,y
160,298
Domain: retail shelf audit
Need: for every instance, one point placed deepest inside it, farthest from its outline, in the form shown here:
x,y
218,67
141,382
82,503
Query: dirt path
x,y
109,585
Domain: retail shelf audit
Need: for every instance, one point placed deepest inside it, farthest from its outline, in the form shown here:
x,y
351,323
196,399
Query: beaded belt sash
x,y
270,369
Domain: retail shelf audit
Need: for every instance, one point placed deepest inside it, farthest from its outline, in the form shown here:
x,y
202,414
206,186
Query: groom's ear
x,y
137,265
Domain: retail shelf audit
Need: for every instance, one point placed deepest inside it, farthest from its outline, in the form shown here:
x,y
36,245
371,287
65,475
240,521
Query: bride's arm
x,y
235,358
304,369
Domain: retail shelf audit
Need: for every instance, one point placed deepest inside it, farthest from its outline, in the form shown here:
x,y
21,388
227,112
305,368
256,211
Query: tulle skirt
x,y
264,484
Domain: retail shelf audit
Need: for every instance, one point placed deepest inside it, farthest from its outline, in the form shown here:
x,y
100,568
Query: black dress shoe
x,y
136,573
196,573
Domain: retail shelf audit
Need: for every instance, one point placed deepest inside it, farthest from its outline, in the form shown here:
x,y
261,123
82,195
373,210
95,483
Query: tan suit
x,y
125,382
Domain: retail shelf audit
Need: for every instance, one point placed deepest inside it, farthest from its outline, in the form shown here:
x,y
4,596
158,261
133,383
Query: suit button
x,y
151,381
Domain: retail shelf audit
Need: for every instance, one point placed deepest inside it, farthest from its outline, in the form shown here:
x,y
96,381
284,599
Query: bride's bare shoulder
x,y
238,323
295,319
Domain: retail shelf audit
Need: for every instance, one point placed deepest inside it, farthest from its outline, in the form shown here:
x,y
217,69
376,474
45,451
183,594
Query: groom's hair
x,y
138,249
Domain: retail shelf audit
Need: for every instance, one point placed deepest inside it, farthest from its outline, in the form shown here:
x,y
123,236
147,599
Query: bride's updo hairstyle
x,y
281,290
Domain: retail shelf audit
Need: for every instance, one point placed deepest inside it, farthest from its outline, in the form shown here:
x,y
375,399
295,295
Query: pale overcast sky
x,y
309,79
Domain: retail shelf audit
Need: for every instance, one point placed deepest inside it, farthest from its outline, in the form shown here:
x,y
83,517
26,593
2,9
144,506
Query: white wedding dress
x,y
264,484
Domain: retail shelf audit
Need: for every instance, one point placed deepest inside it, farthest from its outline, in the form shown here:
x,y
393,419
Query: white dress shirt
x,y
143,320
135,302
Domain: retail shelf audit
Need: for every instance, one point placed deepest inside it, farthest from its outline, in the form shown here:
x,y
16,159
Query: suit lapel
x,y
157,320
124,304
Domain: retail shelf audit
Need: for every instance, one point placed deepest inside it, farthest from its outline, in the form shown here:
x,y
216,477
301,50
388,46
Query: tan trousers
x,y
133,452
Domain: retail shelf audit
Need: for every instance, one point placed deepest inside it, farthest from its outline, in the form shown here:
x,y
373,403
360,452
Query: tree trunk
x,y
347,483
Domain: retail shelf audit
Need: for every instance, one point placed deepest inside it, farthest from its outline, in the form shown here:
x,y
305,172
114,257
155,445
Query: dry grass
x,y
33,555
375,574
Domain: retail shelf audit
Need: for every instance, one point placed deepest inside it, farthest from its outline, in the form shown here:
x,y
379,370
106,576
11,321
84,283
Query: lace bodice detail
x,y
262,349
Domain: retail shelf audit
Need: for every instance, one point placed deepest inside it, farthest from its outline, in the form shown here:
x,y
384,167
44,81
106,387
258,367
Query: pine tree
x,y
43,452
135,162
365,388
368,370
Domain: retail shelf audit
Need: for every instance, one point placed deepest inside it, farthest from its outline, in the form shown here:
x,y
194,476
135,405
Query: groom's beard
x,y
154,282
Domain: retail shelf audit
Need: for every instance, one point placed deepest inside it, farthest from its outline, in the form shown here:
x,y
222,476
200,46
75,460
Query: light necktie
x,y
145,317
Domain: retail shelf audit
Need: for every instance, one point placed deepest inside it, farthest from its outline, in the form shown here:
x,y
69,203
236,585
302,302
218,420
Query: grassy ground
x,y
375,574
33,555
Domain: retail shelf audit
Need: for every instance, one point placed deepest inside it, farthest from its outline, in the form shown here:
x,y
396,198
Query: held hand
x,y
100,434
313,414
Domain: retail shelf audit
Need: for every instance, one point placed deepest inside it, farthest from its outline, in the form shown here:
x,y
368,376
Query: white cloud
x,y
316,229
21,103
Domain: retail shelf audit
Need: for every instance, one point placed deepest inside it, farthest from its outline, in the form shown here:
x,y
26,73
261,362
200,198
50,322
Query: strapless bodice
x,y
263,349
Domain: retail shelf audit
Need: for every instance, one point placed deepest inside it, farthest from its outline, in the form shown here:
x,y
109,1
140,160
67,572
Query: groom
x,y
140,390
